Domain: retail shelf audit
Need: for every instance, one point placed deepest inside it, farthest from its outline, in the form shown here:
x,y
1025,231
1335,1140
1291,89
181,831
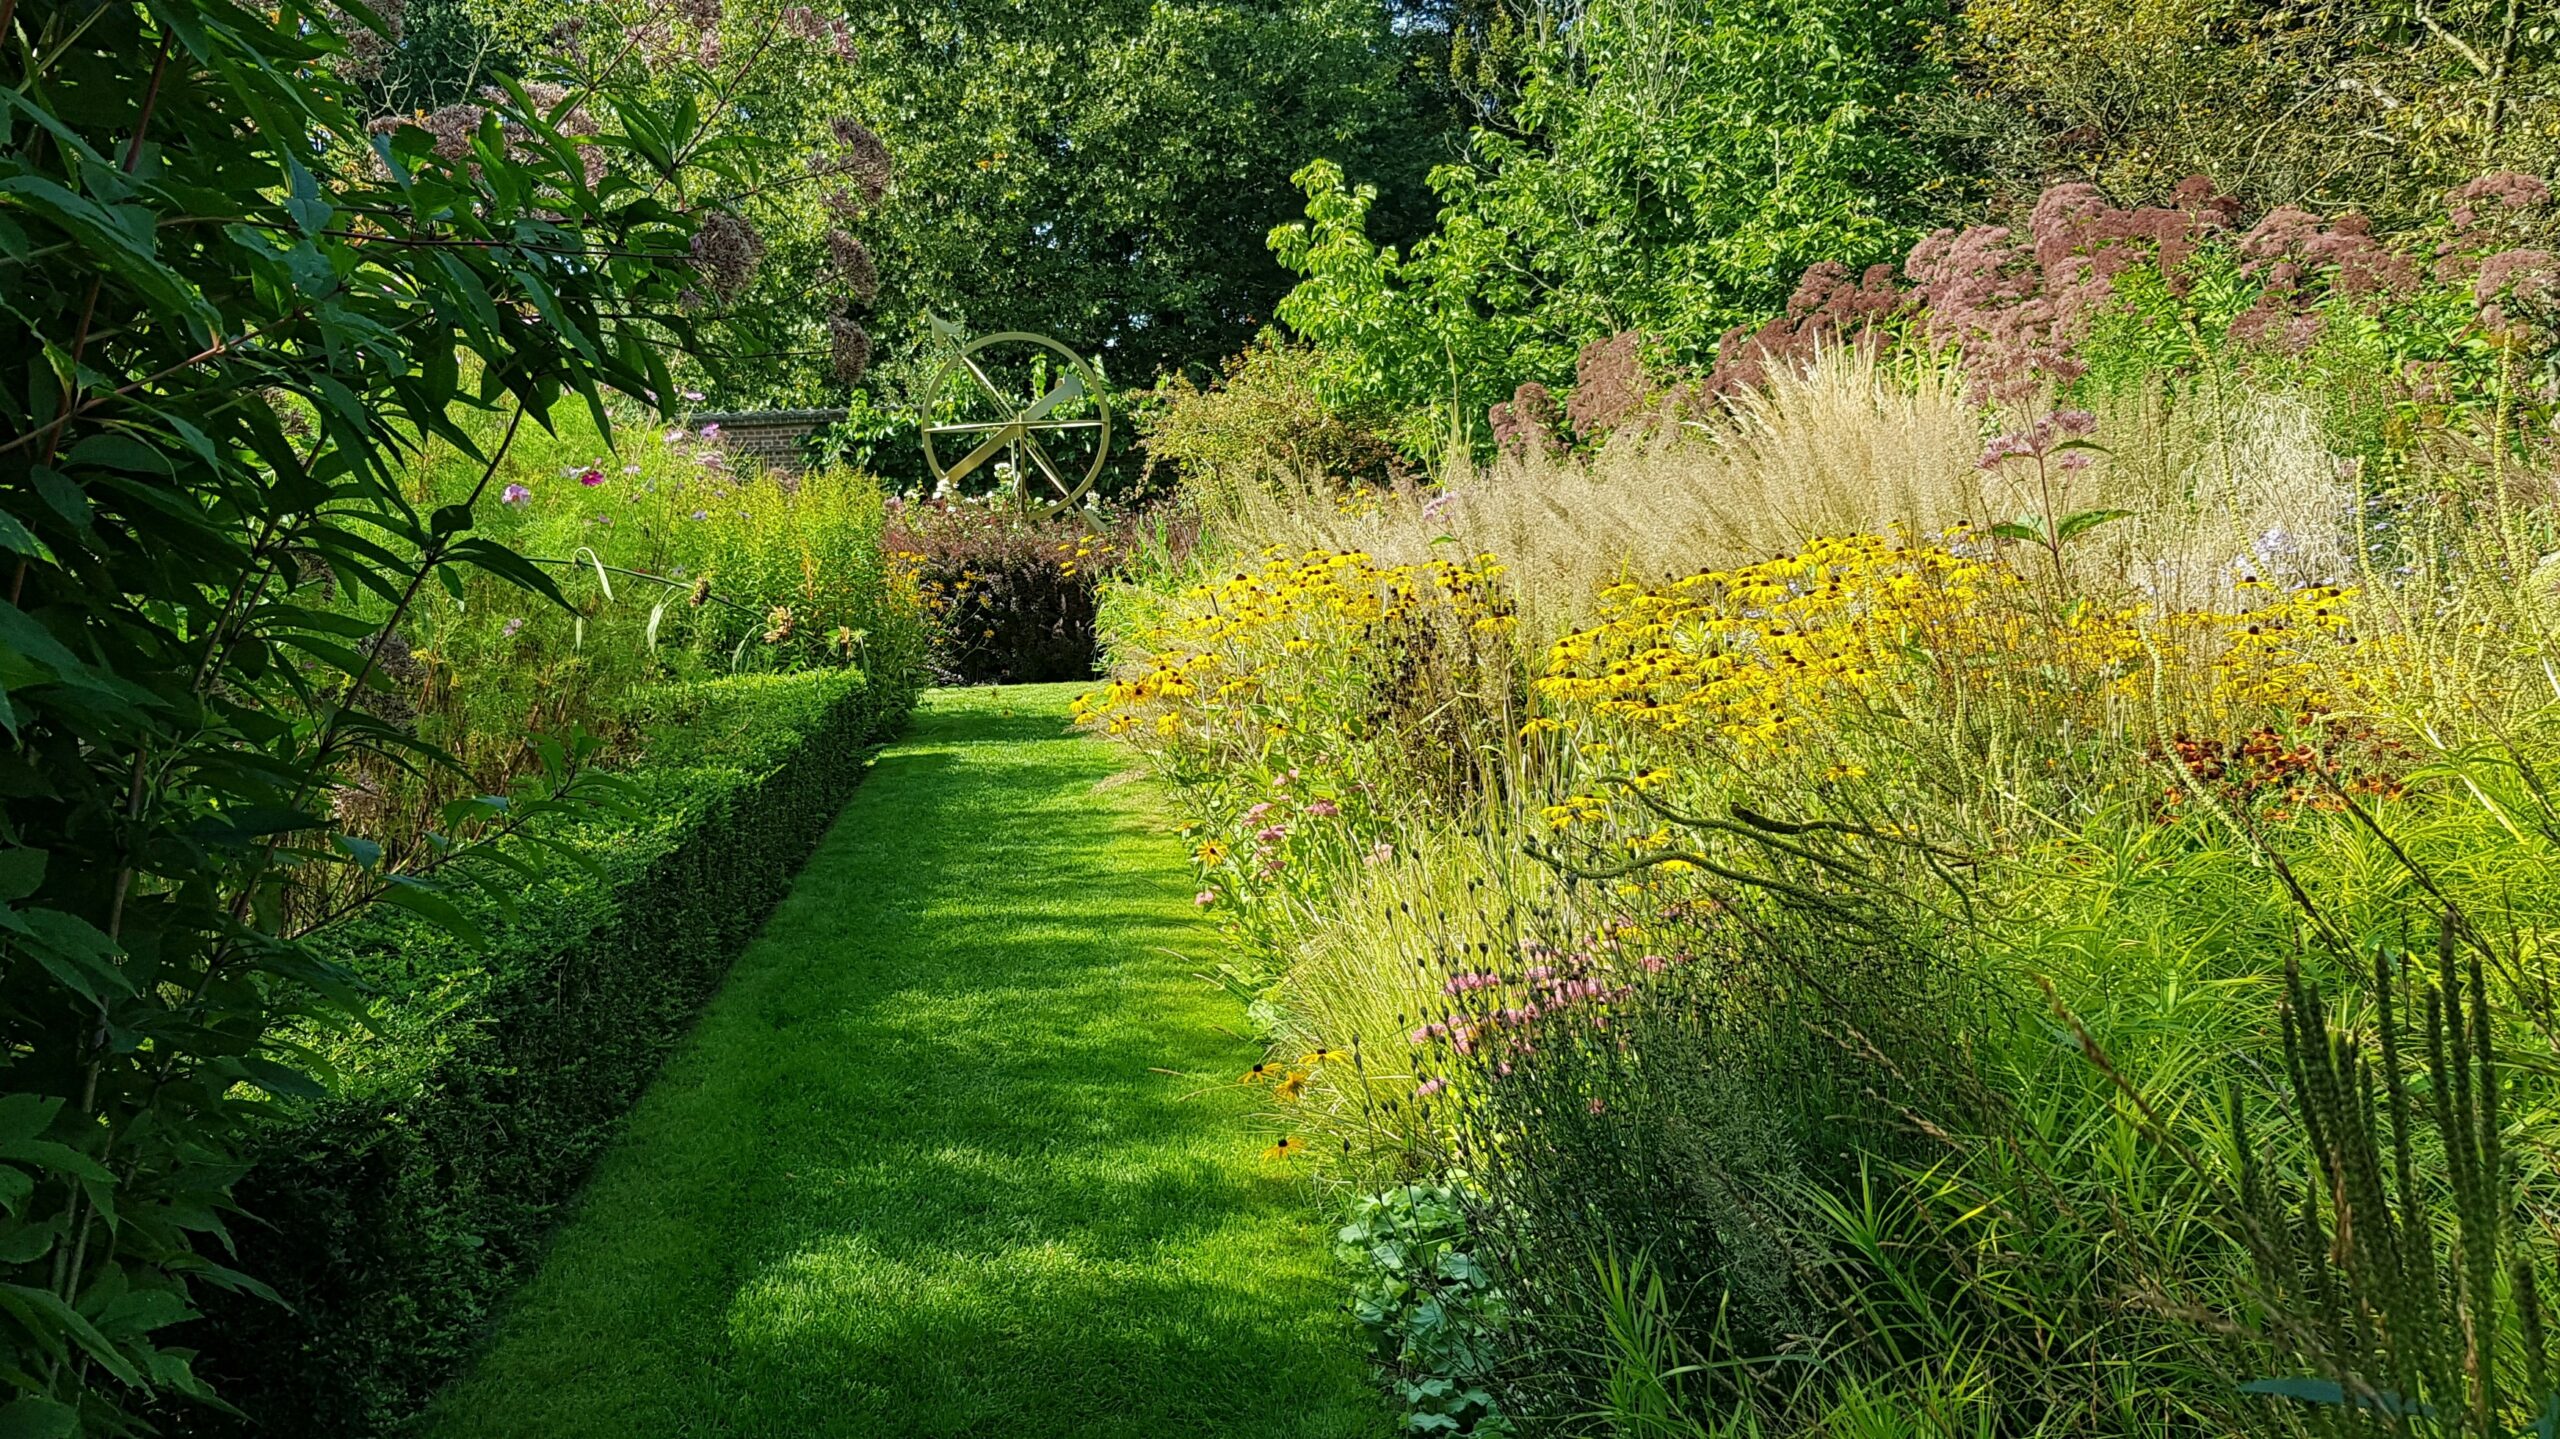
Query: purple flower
x,y
1324,809
591,477
675,436
693,397
508,630
1205,898
702,514
631,469
711,431
516,495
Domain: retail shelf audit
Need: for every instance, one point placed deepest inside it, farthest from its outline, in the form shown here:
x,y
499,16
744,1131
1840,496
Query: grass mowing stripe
x,y
915,1172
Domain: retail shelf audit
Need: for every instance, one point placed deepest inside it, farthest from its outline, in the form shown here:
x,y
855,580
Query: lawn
x,y
957,1150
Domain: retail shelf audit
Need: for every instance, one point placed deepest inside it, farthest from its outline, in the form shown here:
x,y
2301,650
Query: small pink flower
x,y
1324,809
631,469
693,397
711,432
1205,898
1257,812
508,630
1429,1087
591,477
516,495
1597,1106
675,436
1271,834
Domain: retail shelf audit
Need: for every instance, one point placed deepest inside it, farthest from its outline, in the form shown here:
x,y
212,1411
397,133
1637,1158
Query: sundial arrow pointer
x,y
979,456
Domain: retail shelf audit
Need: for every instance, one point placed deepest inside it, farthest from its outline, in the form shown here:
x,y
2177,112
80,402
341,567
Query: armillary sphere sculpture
x,y
1022,403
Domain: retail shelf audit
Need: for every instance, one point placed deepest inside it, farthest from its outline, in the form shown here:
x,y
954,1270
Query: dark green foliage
x,y
233,303
1105,173
2398,1316
395,1213
1667,168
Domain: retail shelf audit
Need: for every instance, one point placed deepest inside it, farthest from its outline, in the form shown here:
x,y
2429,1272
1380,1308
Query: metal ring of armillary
x,y
1025,420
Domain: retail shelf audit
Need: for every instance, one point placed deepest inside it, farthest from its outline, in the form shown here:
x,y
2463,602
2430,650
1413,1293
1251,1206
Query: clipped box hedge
x,y
396,1214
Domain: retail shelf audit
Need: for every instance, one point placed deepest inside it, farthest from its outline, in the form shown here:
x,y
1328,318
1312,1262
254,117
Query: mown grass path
x,y
916,1173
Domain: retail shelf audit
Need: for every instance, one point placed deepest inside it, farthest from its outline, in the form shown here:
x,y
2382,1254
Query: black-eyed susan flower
x,y
1287,1148
1320,1055
1261,1072
1292,1085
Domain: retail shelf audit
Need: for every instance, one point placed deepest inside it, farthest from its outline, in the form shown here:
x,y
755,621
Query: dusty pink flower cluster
x,y
1609,385
1831,307
1527,423
862,159
854,269
1610,388
806,24
2515,284
726,252
2481,203
2018,304
2301,258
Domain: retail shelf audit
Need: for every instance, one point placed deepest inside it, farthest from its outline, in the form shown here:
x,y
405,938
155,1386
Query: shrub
x,y
1007,599
258,292
395,1212
1263,420
1581,208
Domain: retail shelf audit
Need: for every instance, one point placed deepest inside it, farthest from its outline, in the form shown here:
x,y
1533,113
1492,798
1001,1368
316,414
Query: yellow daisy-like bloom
x,y
1260,1072
1292,1086
1320,1055
1287,1148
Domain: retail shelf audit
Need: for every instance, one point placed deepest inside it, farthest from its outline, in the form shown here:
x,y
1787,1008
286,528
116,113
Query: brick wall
x,y
775,439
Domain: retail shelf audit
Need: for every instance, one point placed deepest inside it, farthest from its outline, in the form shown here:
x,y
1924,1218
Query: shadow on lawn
x,y
919,1172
